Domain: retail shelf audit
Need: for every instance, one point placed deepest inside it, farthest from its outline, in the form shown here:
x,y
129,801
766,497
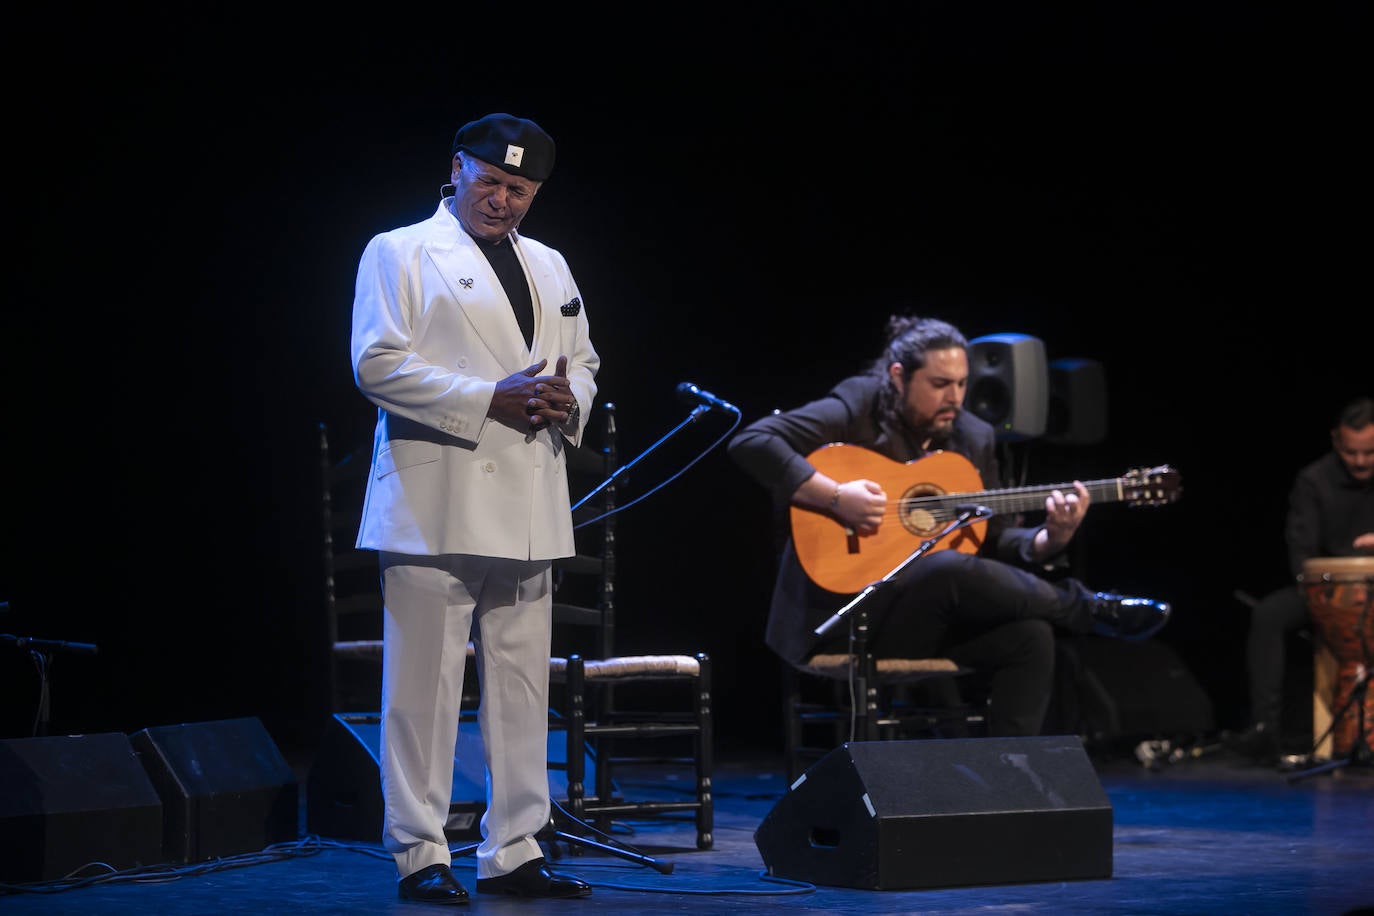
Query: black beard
x,y
926,436
938,438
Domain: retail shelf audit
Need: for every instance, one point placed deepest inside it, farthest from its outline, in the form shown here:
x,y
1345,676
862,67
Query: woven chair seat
x,y
836,667
369,649
628,667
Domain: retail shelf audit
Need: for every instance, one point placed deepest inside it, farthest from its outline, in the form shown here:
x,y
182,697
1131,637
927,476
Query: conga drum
x,y
1340,597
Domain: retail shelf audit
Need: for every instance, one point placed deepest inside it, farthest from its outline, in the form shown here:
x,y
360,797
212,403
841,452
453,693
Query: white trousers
x,y
434,605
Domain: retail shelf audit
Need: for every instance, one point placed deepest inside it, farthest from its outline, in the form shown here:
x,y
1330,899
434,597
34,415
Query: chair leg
x,y
791,721
705,749
576,738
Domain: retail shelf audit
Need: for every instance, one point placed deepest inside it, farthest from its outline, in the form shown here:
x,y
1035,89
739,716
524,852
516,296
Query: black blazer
x,y
774,449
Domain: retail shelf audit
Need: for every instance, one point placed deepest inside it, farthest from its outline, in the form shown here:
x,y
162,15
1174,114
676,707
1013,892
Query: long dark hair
x,y
909,338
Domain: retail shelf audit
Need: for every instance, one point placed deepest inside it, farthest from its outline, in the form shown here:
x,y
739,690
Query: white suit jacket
x,y
433,331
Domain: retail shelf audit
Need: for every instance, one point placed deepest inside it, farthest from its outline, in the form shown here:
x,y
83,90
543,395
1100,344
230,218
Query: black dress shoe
x,y
1259,743
533,879
432,884
1128,618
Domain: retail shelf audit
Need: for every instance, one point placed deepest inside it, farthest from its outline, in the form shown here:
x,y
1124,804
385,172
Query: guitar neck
x,y
1023,499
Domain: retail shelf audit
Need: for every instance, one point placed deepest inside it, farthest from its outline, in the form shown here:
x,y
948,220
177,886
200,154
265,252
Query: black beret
x,y
512,144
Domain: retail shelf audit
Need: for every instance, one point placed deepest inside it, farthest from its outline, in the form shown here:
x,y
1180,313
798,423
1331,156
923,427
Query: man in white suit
x,y
454,320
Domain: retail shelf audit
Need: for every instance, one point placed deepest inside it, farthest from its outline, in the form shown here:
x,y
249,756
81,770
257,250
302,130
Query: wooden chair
x,y
834,698
649,712
352,589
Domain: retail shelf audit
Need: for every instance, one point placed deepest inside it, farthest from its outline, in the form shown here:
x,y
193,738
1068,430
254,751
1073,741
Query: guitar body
x,y
926,497
840,561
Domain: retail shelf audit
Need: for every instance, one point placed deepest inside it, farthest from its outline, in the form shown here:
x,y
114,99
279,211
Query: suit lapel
x,y
544,287
477,290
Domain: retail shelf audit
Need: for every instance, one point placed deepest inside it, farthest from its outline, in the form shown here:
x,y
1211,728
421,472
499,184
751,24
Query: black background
x,y
1169,188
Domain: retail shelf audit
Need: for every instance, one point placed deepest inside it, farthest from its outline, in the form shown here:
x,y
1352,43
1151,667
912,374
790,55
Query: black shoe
x,y
432,884
1259,743
1128,618
533,879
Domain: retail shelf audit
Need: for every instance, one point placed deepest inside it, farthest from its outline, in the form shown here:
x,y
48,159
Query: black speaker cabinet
x,y
944,812
225,788
72,800
1009,384
1078,402
344,789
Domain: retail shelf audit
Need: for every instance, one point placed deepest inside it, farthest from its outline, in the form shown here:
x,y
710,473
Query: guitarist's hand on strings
x,y
859,505
1063,514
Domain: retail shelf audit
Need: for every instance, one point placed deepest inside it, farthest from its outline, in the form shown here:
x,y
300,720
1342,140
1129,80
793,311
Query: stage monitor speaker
x,y
225,788
942,812
73,800
1078,402
1009,384
344,791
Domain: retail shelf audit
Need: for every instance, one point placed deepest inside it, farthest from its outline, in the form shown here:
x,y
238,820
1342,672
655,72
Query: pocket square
x,y
571,307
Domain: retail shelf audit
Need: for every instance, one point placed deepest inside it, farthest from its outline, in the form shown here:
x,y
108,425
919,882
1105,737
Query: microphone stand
x,y
552,831
965,517
559,818
1360,754
615,475
696,414
862,667
42,651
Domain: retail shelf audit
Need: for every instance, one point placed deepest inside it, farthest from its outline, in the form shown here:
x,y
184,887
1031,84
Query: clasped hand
x,y
528,400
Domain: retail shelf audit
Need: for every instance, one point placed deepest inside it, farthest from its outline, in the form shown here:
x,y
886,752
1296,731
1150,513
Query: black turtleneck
x,y
501,255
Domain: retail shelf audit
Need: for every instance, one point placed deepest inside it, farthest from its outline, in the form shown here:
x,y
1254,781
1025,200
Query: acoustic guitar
x,y
930,493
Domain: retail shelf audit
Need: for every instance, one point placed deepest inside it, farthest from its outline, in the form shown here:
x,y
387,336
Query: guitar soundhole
x,y
915,517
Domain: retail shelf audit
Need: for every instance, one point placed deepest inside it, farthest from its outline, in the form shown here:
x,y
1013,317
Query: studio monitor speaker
x,y
944,812
1009,384
1078,402
68,801
225,788
344,791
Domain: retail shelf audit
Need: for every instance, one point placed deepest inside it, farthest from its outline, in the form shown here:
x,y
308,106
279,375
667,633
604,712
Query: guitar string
x,y
943,506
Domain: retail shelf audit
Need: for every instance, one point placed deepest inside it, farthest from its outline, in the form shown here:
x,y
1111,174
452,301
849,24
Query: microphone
x,y
76,648
974,510
689,392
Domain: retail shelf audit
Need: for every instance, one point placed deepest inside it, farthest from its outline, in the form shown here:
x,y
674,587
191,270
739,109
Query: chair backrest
x,y
584,584
352,587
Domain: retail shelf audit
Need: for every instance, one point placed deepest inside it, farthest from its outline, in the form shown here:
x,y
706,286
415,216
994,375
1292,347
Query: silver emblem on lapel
x,y
465,282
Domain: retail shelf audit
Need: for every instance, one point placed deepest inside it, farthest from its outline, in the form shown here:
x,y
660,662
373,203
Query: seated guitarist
x,y
988,610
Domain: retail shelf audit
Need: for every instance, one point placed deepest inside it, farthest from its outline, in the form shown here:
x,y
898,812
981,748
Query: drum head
x,y
1337,569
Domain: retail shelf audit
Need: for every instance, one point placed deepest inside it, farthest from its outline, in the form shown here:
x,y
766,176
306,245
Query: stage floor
x,y
1205,835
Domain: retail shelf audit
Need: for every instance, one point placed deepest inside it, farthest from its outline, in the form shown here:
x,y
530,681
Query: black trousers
x,y
1271,620
987,615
